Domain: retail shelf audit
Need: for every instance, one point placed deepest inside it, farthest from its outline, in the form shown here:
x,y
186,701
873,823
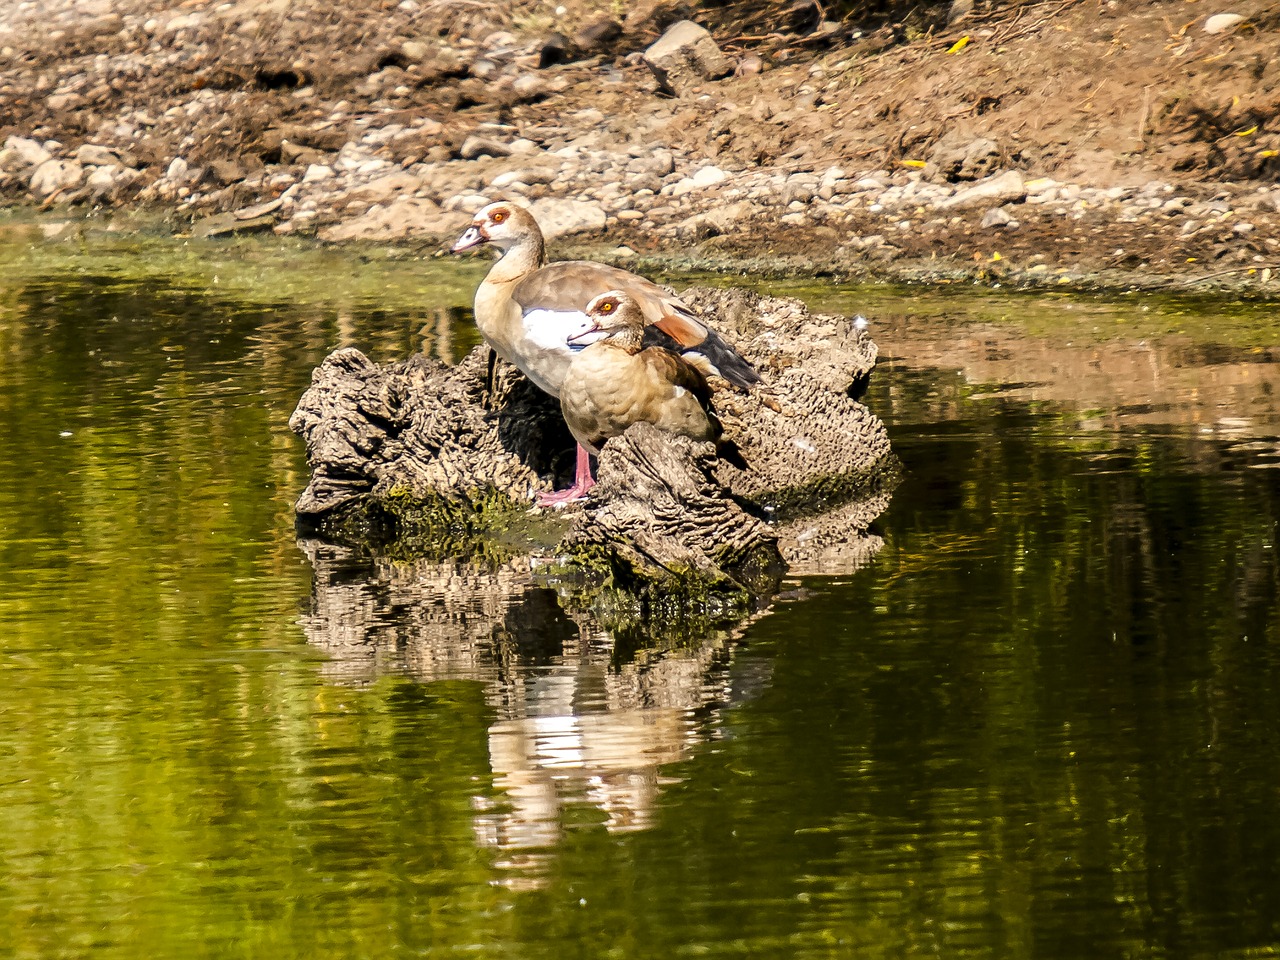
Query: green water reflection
x,y
1041,723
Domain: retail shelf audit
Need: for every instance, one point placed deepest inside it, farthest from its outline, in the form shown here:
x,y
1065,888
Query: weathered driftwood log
x,y
423,455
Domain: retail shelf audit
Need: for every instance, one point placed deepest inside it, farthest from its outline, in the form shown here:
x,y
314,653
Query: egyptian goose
x,y
616,381
527,309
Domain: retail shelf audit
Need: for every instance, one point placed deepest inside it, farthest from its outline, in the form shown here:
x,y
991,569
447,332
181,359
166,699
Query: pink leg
x,y
582,482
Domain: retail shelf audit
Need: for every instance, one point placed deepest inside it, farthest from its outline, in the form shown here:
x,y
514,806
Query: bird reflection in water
x,y
587,715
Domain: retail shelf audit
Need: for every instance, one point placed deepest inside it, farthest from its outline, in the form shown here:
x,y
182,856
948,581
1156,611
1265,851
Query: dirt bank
x,y
1070,142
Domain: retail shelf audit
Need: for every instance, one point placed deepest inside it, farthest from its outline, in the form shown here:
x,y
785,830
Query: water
x,y
1041,722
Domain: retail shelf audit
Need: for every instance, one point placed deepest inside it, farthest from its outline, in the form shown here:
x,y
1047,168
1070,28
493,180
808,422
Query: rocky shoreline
x,y
429,132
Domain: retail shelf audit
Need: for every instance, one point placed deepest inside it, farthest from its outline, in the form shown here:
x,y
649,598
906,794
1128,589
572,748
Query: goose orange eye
x,y
499,216
606,307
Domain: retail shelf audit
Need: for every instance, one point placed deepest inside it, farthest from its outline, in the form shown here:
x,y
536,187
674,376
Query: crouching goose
x,y
527,309
616,381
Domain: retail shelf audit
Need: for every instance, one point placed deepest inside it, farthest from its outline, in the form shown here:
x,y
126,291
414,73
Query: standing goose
x,y
616,381
527,309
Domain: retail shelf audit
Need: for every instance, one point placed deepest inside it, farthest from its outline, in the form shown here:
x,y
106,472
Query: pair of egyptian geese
x,y
582,332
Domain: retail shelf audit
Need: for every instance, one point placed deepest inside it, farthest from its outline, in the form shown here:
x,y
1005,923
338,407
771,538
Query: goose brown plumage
x,y
617,381
527,310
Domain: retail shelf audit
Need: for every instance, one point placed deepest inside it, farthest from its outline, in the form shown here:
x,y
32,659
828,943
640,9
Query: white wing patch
x,y
545,351
551,329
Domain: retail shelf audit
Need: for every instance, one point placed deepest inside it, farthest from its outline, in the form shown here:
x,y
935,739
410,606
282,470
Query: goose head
x,y
502,224
614,317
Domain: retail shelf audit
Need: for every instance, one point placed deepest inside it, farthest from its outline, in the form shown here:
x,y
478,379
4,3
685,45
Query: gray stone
x,y
685,56
1007,187
350,156
999,217
55,175
93,155
561,217
106,23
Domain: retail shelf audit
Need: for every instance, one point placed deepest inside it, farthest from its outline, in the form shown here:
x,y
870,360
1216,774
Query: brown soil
x,y
1095,93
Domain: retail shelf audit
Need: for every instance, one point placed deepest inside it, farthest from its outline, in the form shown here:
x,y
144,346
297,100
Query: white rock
x,y
317,172
706,177
1222,22
54,175
177,171
29,153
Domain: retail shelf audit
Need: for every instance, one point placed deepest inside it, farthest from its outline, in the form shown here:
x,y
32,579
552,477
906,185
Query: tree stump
x,y
428,460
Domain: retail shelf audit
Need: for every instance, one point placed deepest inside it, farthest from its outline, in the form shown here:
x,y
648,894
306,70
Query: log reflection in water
x,y
586,713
